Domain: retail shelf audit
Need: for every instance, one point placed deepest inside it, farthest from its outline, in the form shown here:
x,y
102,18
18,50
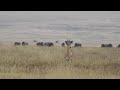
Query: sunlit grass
x,y
44,62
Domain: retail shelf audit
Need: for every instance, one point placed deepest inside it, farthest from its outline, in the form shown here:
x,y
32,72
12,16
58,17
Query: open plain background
x,y
91,29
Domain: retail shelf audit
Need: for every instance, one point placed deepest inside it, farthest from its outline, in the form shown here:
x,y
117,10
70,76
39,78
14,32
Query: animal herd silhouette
x,y
63,44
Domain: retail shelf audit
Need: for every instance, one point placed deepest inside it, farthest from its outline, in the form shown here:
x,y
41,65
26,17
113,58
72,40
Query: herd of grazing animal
x,y
23,43
69,52
77,45
50,44
106,45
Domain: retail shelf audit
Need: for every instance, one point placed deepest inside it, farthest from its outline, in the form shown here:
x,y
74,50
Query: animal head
x,y
68,42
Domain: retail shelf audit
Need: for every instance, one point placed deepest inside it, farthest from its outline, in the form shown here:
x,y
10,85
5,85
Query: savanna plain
x,y
35,62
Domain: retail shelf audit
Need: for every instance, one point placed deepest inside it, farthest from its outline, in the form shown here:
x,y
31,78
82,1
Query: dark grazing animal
x,y
57,41
17,43
46,44
34,41
118,46
49,44
63,44
106,45
24,43
40,44
77,45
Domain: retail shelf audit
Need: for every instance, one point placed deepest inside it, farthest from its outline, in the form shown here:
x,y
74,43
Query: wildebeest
x,y
57,41
49,44
118,46
40,44
106,45
77,45
24,43
34,41
17,43
46,44
63,44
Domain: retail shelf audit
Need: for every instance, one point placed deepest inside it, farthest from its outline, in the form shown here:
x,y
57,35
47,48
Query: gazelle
x,y
69,52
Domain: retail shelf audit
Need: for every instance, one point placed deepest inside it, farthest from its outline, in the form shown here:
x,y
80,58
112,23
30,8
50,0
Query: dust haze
x,y
86,27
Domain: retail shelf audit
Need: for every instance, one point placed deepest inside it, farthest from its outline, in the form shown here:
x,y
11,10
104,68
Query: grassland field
x,y
33,62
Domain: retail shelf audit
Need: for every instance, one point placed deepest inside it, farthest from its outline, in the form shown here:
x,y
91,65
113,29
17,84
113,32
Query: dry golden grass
x,y
32,62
